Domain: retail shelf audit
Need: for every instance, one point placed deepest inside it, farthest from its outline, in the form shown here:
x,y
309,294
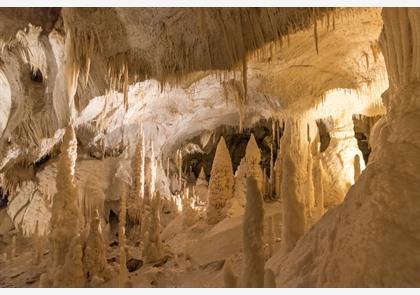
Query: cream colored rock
x,y
253,231
65,211
221,183
201,188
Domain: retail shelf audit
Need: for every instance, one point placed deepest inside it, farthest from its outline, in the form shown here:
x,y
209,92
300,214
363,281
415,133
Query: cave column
x,y
338,159
294,185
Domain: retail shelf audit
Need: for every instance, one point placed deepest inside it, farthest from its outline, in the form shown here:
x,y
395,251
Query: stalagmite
x,y
229,278
252,161
292,187
71,274
153,244
137,189
123,273
65,212
94,258
239,189
357,168
221,183
253,230
179,165
201,188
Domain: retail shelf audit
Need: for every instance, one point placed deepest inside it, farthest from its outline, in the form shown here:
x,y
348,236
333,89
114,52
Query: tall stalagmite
x,y
221,183
253,231
293,182
153,244
65,211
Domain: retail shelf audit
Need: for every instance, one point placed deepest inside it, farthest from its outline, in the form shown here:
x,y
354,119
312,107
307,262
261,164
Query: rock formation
x,y
221,183
201,188
65,210
253,230
94,254
153,245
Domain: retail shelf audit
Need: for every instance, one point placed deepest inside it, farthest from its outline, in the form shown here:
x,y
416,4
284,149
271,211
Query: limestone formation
x,y
153,245
336,114
253,231
292,187
201,188
252,162
71,274
221,183
94,254
65,210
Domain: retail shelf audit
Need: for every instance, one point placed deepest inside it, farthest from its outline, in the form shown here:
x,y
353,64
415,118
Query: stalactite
x,y
229,278
314,11
253,231
245,78
221,183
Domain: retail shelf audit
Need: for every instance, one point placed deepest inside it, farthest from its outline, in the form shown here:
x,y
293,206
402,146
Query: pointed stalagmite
x,y
221,183
252,161
201,188
153,244
65,211
253,230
